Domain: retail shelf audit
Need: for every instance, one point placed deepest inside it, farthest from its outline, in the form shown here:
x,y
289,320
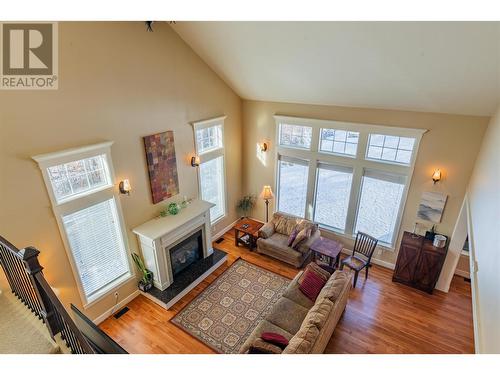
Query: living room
x,y
254,187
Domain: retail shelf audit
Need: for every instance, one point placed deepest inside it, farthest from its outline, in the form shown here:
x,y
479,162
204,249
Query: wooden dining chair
x,y
363,248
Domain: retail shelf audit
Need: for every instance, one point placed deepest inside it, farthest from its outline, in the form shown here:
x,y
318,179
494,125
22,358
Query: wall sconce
x,y
125,187
436,176
263,147
195,161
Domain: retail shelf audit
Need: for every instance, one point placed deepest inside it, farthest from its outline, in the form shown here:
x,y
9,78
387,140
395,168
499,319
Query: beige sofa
x,y
273,239
308,326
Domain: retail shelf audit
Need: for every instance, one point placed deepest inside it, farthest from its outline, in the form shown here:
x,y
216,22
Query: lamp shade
x,y
436,176
267,193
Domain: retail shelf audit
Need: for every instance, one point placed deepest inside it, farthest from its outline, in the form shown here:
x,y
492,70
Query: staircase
x,y
32,319
22,332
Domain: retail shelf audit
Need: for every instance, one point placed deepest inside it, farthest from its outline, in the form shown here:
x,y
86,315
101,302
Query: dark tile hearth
x,y
187,277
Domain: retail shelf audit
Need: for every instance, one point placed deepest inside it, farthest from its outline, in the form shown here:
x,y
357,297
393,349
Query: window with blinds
x,y
333,189
96,242
345,176
292,185
80,186
209,142
379,204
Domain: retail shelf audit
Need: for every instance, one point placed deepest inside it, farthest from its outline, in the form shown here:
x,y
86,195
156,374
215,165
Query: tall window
x,y
80,186
209,141
379,204
333,188
347,177
292,186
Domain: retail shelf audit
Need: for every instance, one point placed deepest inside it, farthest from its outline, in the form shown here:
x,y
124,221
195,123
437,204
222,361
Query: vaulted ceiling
x,y
449,67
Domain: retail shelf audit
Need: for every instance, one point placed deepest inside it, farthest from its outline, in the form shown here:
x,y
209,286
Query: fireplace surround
x,y
158,237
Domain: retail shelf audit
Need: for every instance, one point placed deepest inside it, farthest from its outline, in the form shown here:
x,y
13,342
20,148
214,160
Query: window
x,y
295,136
209,139
379,204
209,143
292,186
212,183
97,245
79,176
361,174
80,186
333,188
390,148
339,141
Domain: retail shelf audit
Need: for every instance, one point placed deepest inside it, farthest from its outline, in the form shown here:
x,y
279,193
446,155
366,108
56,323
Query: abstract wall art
x,y
162,165
431,206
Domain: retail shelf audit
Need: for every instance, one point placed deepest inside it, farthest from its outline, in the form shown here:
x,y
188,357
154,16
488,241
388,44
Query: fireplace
x,y
186,252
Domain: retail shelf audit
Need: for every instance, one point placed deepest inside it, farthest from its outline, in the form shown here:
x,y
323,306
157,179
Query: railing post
x,y
33,267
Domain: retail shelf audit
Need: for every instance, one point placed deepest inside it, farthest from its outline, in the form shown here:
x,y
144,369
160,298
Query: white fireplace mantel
x,y
158,235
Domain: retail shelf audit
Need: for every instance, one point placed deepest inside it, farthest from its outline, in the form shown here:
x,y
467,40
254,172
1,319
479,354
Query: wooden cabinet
x,y
419,262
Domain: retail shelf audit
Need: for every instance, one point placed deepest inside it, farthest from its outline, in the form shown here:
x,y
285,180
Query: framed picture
x,y
431,206
162,165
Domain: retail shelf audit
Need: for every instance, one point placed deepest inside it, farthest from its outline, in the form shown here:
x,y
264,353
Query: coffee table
x,y
250,232
326,248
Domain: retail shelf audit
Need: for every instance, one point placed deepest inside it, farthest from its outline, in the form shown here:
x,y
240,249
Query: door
x,y
428,269
407,263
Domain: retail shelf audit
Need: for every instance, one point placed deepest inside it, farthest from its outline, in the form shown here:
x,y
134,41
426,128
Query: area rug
x,y
227,311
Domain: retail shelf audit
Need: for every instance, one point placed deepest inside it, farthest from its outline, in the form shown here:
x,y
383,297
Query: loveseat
x,y
307,325
274,237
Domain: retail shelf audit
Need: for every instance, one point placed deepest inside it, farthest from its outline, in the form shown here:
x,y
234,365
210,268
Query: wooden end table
x,y
329,249
250,232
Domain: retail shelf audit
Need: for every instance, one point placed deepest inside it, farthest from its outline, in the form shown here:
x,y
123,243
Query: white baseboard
x,y
224,230
115,308
376,261
462,273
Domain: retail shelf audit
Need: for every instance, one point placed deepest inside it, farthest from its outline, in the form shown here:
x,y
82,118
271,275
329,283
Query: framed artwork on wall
x,y
431,206
162,165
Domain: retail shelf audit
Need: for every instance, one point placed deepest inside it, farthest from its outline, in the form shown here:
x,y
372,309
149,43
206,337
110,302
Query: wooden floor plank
x,y
381,316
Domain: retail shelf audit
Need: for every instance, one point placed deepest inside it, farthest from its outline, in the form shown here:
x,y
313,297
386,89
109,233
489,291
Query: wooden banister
x,y
25,277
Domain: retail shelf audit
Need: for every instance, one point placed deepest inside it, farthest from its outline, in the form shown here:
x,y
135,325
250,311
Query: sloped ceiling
x,y
448,67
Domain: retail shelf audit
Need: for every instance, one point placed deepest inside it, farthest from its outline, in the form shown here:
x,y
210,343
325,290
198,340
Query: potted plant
x,y
246,204
146,281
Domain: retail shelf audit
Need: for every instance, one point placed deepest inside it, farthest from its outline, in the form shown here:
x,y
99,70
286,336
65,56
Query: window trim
x,y
357,163
210,155
80,202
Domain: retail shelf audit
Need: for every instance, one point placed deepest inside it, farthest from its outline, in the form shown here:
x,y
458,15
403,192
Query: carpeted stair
x,y
21,331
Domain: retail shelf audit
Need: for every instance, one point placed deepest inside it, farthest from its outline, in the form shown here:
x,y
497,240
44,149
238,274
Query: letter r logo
x,y
27,49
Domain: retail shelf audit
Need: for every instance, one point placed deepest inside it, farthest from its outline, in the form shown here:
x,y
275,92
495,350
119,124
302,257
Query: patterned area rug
x,y
225,313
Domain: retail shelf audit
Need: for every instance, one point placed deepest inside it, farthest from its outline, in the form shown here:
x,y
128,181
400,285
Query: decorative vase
x,y
173,208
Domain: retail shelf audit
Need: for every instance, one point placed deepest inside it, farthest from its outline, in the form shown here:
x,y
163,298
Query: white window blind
x,y
333,188
379,205
96,242
292,182
212,185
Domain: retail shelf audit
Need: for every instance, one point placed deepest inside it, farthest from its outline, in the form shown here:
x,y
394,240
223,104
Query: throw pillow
x,y
275,339
292,237
260,346
312,285
314,267
303,235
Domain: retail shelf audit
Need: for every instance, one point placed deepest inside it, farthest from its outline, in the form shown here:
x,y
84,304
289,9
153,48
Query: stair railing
x,y
27,283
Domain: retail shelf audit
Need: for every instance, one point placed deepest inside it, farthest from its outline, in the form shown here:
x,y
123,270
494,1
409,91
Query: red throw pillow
x,y
312,285
292,236
275,338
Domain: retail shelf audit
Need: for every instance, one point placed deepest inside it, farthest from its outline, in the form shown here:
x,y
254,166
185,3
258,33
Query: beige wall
x,y
451,144
116,82
483,196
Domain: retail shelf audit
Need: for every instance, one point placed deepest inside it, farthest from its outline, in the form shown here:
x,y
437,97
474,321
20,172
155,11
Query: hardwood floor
x,y
381,316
